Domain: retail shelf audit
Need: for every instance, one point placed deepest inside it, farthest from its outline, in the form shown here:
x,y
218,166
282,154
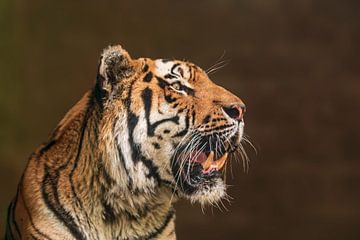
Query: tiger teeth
x,y
221,161
210,164
208,161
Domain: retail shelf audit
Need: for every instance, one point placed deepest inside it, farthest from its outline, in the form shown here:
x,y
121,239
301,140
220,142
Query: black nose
x,y
235,111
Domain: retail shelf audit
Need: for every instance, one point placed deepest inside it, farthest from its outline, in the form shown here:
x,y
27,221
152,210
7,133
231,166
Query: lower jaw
x,y
208,194
204,188
195,179
207,189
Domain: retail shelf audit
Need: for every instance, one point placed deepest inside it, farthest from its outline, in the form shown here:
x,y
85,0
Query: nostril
x,y
234,112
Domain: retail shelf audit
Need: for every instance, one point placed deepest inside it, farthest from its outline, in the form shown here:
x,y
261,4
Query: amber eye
x,y
176,86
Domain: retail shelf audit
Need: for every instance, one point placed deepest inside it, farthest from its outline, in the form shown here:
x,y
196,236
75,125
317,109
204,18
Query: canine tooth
x,y
208,161
221,161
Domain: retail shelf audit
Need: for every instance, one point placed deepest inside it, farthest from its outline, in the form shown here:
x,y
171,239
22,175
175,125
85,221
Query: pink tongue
x,y
199,157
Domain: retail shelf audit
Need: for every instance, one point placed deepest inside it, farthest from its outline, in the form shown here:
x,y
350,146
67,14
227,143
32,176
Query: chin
x,y
209,194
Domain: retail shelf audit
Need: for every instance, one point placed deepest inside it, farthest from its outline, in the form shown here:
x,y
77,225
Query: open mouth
x,y
198,167
208,163
198,164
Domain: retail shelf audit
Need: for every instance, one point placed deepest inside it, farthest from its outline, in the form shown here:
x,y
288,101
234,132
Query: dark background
x,y
295,63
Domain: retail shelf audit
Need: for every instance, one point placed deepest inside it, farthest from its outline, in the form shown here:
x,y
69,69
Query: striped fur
x,y
106,172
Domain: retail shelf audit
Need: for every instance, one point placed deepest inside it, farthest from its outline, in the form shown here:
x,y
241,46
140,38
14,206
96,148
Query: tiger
x,y
148,133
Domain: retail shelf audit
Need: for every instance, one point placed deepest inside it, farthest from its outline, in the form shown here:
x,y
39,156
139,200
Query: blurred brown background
x,y
294,62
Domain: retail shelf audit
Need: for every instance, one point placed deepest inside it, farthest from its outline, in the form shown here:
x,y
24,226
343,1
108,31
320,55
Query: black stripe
x,y
146,96
188,90
28,213
109,213
191,74
51,199
153,126
156,145
206,119
166,182
170,99
46,147
173,68
90,109
11,221
193,117
132,122
145,68
185,130
160,229
136,154
148,77
8,233
170,76
153,170
162,83
181,110
13,214
50,181
98,92
108,179
122,160
33,237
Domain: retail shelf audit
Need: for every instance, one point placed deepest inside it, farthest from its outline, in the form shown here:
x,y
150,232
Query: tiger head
x,y
165,123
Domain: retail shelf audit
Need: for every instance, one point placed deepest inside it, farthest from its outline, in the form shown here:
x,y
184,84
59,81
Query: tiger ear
x,y
115,65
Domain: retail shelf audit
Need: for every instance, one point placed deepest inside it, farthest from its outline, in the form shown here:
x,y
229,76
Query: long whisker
x,y
184,157
189,158
190,134
219,63
248,141
219,66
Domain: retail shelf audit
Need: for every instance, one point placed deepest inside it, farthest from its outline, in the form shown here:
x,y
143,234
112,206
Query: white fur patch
x,y
182,71
209,195
123,142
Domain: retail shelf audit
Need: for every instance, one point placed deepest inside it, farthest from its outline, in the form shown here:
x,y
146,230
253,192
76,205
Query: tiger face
x,y
170,125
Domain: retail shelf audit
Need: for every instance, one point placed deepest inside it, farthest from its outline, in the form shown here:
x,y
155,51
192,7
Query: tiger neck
x,y
112,195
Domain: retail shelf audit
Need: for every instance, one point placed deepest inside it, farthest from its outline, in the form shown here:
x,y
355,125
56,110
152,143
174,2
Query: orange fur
x,y
78,185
